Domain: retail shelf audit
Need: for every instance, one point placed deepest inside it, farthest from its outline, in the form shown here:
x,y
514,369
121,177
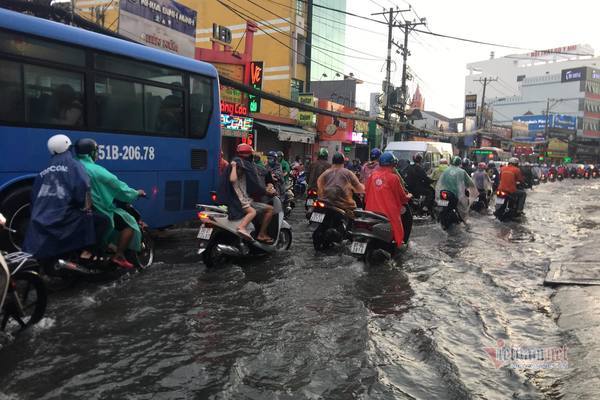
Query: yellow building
x,y
279,42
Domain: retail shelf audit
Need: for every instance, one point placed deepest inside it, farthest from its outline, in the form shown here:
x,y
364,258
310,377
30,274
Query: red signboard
x,y
233,108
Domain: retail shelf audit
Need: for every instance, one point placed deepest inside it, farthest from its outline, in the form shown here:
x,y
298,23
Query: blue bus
x,y
155,115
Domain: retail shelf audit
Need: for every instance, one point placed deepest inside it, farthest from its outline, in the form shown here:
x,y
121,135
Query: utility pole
x,y
308,50
391,21
484,81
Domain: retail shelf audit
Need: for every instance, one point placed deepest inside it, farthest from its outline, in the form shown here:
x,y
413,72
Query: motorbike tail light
x,y
444,195
312,192
202,216
319,204
213,197
363,225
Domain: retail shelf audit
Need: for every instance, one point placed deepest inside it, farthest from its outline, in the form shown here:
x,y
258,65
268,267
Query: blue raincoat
x,y
59,224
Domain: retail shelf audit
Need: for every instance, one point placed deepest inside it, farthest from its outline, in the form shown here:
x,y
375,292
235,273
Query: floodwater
x,y
301,325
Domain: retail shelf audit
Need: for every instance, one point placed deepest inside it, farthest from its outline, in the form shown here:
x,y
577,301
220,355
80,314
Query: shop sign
x,y
236,123
164,24
222,33
573,74
256,80
233,108
471,105
306,118
359,137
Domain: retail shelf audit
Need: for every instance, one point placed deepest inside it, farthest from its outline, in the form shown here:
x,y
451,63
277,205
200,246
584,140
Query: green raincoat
x,y
436,173
106,188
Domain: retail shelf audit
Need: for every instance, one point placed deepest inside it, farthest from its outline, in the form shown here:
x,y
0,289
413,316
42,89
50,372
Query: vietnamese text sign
x,y
471,105
164,24
306,118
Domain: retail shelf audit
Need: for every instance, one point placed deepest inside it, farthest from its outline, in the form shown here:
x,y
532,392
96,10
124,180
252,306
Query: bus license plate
x,y
443,203
358,247
205,233
310,202
500,201
317,217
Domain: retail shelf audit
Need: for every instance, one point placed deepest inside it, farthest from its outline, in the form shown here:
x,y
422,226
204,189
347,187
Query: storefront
x,y
292,140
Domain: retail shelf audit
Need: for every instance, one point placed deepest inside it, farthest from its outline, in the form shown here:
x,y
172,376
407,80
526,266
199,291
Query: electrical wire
x,y
346,13
246,17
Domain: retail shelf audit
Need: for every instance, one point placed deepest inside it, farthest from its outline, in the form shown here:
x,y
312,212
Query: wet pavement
x,y
301,325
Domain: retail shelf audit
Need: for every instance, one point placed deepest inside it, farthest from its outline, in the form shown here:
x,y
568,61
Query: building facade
x,y
328,40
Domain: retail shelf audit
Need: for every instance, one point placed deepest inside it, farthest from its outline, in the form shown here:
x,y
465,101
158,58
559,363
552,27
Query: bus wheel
x,y
16,208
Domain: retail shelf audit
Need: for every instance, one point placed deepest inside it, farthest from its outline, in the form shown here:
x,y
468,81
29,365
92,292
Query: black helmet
x,y
338,158
418,157
86,147
466,162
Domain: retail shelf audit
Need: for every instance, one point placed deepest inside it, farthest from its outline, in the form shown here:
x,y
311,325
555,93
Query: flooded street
x,y
302,325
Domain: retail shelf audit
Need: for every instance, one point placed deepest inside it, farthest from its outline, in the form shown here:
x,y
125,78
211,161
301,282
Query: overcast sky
x,y
440,64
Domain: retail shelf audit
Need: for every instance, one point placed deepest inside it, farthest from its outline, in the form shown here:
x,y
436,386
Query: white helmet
x,y
513,160
58,144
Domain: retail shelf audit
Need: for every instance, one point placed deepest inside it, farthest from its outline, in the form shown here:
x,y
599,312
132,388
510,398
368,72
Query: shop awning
x,y
286,133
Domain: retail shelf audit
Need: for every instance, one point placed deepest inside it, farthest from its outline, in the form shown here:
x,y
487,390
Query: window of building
x,y
300,7
22,45
53,96
520,78
301,49
201,105
119,104
297,87
136,69
12,106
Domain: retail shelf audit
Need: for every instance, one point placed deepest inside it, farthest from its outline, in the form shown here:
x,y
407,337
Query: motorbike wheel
x,y
285,239
375,256
211,257
145,257
26,301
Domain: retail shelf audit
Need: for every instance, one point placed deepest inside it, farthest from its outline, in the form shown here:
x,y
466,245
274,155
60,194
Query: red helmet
x,y
244,150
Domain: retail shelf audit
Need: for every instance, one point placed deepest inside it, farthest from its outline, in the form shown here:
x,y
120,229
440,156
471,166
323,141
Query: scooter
x,y
482,203
23,294
71,267
506,206
560,177
299,185
289,202
543,178
449,214
332,225
372,240
219,241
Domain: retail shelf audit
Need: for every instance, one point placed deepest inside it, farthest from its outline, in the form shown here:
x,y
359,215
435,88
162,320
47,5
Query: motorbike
x,y
595,173
372,240
559,177
587,174
299,185
418,207
552,177
220,242
506,206
333,225
543,178
23,294
70,267
289,201
482,203
449,214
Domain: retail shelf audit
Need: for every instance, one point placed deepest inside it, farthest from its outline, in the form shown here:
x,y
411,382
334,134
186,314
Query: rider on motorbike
x,y
239,189
338,184
370,166
418,183
285,166
510,177
467,165
385,195
317,168
274,174
456,180
106,188
438,171
482,181
494,175
61,217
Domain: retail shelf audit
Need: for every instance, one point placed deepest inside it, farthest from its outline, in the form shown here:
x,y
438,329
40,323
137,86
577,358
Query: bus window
x,y
139,70
164,110
54,96
11,86
119,104
21,45
201,105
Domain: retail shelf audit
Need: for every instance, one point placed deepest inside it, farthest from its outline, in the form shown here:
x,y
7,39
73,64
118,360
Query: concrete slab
x,y
573,273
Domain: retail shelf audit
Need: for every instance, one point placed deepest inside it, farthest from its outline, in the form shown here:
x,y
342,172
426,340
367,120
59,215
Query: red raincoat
x,y
385,195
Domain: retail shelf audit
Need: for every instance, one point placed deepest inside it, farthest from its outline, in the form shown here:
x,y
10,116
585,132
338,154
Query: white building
x,y
554,79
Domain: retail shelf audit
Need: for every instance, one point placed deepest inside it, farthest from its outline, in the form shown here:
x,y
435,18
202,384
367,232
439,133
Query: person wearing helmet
x,y
285,167
510,178
274,176
418,183
467,165
456,180
106,188
317,168
385,195
337,185
494,175
438,171
370,166
61,220
239,191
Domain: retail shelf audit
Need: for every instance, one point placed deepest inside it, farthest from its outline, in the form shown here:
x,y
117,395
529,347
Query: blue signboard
x,y
165,12
536,123
568,122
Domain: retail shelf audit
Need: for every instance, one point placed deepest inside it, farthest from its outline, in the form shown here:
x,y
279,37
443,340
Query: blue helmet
x,y
387,159
375,154
272,154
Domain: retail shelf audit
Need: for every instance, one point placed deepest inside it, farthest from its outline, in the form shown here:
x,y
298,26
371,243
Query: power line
x,y
347,13
246,17
319,36
328,19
